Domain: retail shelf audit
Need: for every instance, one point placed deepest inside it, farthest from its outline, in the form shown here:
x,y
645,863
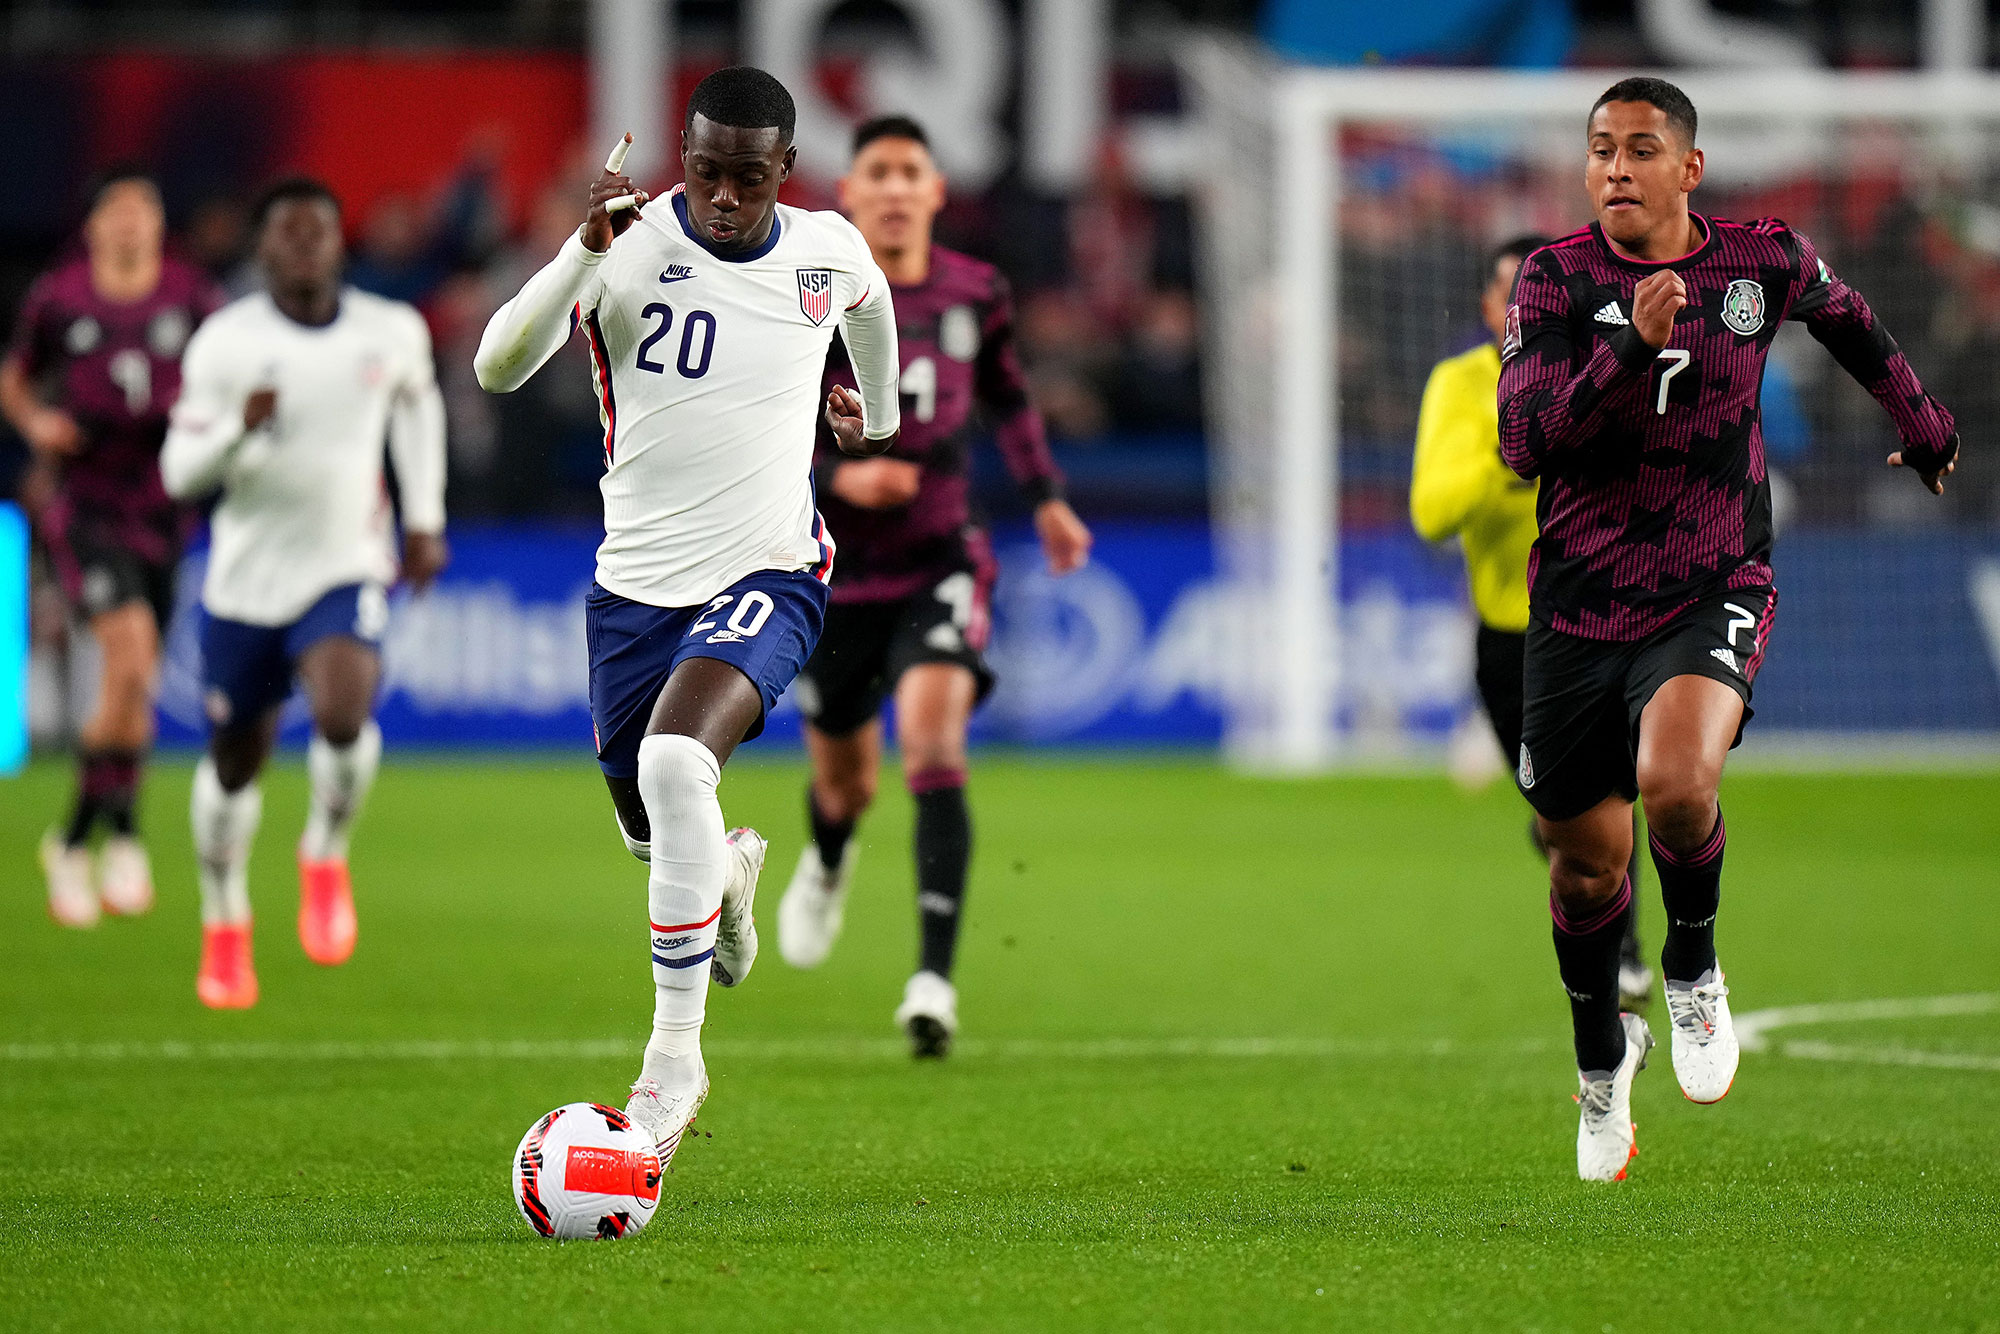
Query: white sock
x,y
341,777
677,780
224,825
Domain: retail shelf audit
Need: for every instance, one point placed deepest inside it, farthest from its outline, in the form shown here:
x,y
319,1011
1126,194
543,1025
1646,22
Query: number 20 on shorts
x,y
751,612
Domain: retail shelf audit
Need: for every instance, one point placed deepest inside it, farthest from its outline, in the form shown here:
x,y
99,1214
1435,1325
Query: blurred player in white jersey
x,y
709,322
287,397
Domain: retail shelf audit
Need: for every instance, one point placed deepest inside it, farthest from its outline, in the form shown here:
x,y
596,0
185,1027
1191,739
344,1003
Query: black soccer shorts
x,y
1581,698
867,646
100,573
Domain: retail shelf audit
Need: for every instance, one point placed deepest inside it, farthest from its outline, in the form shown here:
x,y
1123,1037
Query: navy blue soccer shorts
x,y
248,669
765,625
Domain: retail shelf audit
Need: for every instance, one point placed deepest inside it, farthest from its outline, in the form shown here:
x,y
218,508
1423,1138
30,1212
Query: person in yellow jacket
x,y
1459,487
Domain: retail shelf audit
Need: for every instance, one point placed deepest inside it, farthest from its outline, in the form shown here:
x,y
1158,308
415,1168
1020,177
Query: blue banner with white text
x,y
1875,632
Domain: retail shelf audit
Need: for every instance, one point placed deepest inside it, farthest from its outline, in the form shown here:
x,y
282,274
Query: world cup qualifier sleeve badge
x,y
1742,306
816,294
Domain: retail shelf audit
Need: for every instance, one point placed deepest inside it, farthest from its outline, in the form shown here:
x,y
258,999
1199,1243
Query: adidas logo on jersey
x,y
1726,658
1610,314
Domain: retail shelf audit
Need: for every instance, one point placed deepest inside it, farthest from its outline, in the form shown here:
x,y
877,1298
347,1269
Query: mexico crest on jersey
x,y
1742,306
816,294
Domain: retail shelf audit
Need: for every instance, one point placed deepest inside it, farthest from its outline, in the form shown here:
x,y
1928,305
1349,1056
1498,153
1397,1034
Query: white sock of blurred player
x,y
341,777
224,825
677,779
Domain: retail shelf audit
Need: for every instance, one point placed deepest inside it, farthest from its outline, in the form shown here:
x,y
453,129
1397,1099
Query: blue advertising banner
x,y
13,638
1875,631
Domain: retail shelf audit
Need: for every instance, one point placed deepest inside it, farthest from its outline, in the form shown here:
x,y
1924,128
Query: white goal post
x,y
1271,205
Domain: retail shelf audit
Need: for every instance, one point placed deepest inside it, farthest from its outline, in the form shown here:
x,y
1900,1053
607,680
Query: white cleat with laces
x,y
1604,1140
736,928
810,914
72,896
665,1113
125,876
1705,1050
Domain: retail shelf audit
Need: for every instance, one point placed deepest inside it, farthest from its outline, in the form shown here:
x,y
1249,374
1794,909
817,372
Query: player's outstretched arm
x,y
1548,405
1841,320
867,424
1023,440
47,429
525,333
417,445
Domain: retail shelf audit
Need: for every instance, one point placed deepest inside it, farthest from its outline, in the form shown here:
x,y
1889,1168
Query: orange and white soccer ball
x,y
585,1171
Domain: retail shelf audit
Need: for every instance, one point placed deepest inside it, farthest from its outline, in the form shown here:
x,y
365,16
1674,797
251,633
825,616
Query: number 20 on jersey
x,y
697,341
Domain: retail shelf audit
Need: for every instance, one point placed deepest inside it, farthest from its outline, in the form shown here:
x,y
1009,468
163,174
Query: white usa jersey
x,y
303,508
708,374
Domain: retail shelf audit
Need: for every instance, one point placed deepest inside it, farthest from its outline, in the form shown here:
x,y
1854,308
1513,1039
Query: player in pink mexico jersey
x,y
909,611
1634,353
93,367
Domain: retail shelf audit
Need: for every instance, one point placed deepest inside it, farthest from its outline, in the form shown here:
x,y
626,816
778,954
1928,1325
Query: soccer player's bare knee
x,y
1680,807
845,793
129,644
239,755
1588,854
340,676
1677,789
933,709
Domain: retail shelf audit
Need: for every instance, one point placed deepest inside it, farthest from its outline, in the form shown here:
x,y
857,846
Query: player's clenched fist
x,y
614,201
259,408
843,418
1655,302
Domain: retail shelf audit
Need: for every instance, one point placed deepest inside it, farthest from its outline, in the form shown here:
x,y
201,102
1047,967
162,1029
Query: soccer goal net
x,y
1344,218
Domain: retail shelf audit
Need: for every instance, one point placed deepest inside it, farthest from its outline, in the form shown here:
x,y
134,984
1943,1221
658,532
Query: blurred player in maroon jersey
x,y
1633,357
92,370
909,612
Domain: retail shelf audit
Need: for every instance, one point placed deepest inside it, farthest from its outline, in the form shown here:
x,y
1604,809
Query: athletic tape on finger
x,y
622,201
616,161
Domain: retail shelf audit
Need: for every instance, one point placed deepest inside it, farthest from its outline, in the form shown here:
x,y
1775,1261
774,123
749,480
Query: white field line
x,y
1753,1029
559,1049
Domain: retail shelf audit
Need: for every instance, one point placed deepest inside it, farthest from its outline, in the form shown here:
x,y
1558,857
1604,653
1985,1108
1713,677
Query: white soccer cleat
x,y
1705,1050
929,1014
736,928
666,1114
72,896
809,916
124,876
1604,1142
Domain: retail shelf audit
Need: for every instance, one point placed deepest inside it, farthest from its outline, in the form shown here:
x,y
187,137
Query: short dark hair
x,y
1520,247
745,97
888,127
1644,88
288,189
121,173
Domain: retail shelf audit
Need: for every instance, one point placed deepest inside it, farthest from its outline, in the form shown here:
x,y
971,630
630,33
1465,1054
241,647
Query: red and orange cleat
x,y
326,910
227,980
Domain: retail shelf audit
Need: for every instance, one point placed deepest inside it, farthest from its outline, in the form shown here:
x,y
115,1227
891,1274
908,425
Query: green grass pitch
x,y
1395,1152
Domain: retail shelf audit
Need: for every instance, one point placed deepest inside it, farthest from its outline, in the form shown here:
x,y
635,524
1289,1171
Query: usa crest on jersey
x,y
816,294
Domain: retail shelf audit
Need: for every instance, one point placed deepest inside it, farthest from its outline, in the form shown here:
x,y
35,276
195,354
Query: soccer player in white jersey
x,y
286,398
709,322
